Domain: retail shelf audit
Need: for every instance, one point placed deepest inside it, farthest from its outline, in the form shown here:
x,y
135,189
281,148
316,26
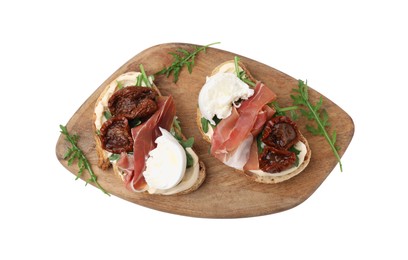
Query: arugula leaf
x,y
114,157
297,152
176,123
120,85
216,120
134,122
184,143
204,124
241,73
75,153
259,143
182,58
187,143
144,76
281,111
139,80
107,114
314,112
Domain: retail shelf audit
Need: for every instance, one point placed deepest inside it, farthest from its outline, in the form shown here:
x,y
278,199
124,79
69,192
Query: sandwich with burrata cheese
x,y
237,116
138,134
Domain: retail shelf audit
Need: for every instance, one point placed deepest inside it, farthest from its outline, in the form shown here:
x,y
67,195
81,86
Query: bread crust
x,y
104,162
270,178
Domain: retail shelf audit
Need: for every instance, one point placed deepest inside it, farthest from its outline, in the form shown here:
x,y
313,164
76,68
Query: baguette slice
x,y
189,183
268,178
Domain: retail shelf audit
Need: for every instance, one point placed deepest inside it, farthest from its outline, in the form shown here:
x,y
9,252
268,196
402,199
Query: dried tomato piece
x,y
115,135
133,102
281,133
273,160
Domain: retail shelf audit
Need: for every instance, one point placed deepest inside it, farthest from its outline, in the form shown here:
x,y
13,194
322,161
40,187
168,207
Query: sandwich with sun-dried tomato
x,y
137,133
235,114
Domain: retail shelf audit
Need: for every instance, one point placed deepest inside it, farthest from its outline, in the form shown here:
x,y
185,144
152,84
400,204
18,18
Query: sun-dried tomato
x,y
273,160
281,133
115,135
133,102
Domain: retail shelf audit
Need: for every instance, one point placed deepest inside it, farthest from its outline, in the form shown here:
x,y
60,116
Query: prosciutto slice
x,y
125,163
144,136
235,134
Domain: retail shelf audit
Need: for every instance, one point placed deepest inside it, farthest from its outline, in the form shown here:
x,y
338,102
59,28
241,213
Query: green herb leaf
x,y
139,80
187,143
297,152
216,120
144,76
175,130
182,58
281,111
241,74
237,72
75,153
314,112
204,124
176,124
67,154
107,114
334,137
114,157
134,122
120,85
183,51
190,160
189,67
259,143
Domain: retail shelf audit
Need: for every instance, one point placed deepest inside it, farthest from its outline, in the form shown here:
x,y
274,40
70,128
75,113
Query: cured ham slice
x,y
233,133
253,161
264,115
144,136
125,162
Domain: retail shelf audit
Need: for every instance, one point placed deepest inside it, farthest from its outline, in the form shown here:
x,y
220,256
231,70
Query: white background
x,y
54,55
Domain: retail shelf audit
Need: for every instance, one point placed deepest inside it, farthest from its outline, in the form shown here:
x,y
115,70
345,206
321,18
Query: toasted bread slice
x,y
128,79
257,176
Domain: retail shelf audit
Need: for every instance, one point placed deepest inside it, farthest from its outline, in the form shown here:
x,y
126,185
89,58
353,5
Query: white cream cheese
x,y
219,93
226,67
166,164
190,178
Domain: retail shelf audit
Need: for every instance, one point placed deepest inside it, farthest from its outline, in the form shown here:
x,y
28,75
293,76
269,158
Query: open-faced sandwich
x,y
236,116
138,134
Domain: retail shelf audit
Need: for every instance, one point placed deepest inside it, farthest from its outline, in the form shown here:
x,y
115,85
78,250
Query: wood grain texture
x,y
225,193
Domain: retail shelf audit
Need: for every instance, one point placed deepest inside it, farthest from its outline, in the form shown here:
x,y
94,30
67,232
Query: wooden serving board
x,y
225,193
